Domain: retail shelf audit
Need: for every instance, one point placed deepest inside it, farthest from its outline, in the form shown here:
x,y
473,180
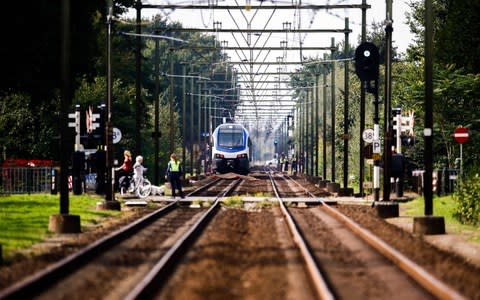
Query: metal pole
x,y
345,112
171,105
317,115
362,108
199,115
312,129
109,191
307,140
387,106
205,128
184,121
65,102
138,79
428,130
301,119
324,127
461,161
333,121
191,120
376,134
157,115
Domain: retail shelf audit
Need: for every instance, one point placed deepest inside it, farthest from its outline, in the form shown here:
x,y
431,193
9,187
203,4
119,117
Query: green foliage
x,y
16,123
266,203
234,201
467,198
24,134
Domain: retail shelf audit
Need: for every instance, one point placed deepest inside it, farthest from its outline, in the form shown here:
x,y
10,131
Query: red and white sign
x,y
461,135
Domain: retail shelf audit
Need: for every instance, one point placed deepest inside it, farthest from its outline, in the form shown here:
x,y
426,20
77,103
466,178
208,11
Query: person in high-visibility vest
x,y
282,162
174,173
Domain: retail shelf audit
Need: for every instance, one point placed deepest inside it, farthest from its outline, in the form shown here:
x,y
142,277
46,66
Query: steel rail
x,y
152,282
31,286
419,274
203,187
319,283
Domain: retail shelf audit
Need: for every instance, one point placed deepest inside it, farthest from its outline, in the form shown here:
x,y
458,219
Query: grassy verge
x,y
442,206
24,218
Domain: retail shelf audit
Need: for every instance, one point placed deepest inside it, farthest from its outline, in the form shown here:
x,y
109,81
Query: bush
x,y
467,198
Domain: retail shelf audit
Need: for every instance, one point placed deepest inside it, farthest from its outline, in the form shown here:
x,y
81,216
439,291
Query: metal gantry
x,y
262,78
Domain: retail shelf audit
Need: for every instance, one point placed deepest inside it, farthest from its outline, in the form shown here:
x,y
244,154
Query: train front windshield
x,y
230,137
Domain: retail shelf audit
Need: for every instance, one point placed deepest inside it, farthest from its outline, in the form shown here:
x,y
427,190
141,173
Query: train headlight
x,y
244,155
219,155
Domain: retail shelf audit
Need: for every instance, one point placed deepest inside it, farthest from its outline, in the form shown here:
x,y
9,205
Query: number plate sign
x,y
376,147
367,135
117,135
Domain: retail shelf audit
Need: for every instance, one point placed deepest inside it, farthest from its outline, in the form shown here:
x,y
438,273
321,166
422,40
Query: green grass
x,y
234,201
267,204
24,218
442,206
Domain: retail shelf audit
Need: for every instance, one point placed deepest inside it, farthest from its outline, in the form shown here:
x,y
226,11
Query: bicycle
x,y
142,189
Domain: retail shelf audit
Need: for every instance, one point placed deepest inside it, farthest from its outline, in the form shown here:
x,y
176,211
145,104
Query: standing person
x,y
138,170
282,162
294,164
174,173
301,163
125,170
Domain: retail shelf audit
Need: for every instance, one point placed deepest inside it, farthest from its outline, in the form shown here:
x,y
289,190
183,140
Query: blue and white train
x,y
231,149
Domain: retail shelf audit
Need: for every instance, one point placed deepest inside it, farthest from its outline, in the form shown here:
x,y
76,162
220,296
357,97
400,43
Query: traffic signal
x,y
100,131
396,125
408,140
367,59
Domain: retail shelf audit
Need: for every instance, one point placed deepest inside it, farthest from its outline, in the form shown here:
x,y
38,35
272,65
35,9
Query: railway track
x,y
292,250
149,246
340,246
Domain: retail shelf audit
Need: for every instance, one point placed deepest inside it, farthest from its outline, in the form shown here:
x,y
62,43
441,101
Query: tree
x,y
16,124
456,24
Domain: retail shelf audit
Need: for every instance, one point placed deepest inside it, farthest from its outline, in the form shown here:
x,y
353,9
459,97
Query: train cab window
x,y
230,137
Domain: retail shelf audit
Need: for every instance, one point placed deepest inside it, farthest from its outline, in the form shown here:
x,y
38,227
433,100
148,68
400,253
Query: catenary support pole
x,y
387,152
362,109
156,134
317,121
346,112
64,104
138,78
324,121
184,113
428,130
333,104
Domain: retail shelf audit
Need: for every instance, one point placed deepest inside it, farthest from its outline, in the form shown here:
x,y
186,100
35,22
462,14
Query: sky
x,y
332,19
269,19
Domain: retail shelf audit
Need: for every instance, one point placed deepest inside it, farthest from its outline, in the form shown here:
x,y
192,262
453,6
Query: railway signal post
x,y
64,222
110,202
367,69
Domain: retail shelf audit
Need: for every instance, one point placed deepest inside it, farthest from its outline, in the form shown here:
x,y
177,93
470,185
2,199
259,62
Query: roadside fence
x,y
23,180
